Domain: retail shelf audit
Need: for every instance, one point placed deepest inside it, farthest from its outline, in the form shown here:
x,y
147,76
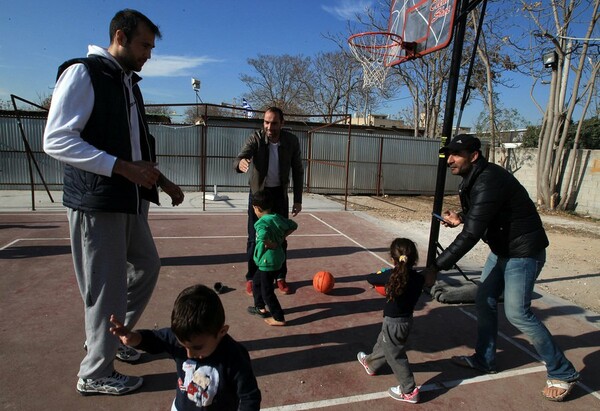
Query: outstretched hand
x,y
244,164
127,337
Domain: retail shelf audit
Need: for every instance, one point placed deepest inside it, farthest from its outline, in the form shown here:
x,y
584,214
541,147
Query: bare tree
x,y
505,120
570,183
553,21
196,114
426,80
334,84
491,64
279,81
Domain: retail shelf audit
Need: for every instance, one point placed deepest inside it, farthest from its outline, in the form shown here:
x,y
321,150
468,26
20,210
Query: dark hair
x,y
197,310
277,111
405,255
263,200
127,21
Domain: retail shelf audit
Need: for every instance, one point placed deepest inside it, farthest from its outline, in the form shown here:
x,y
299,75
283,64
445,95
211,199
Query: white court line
x,y
200,237
350,239
427,387
238,236
33,239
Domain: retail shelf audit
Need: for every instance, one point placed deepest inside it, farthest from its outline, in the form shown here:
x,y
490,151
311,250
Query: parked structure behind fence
x,y
198,157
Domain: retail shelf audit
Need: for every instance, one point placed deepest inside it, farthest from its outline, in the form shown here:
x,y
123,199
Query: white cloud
x,y
347,9
173,66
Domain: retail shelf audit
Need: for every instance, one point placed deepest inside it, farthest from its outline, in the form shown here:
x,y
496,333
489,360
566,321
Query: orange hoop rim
x,y
393,40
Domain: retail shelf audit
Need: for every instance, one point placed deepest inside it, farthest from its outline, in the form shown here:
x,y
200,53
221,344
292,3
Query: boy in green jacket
x,y
271,231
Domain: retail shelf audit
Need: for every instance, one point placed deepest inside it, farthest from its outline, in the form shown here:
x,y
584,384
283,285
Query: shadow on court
x,y
311,361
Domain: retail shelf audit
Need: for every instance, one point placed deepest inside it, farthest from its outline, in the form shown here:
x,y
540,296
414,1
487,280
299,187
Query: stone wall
x,y
522,162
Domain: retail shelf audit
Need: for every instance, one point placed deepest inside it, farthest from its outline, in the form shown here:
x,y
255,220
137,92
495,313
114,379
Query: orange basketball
x,y
323,282
380,289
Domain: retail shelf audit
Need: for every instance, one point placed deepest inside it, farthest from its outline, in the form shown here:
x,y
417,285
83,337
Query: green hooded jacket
x,y
271,227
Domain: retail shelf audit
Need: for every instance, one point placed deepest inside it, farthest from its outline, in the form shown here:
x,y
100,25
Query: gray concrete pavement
x,y
21,201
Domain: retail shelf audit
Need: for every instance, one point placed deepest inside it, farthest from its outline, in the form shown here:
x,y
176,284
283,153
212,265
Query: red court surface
x,y
309,364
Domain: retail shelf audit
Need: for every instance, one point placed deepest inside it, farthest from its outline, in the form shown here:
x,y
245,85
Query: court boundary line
x,y
351,239
423,388
199,237
369,396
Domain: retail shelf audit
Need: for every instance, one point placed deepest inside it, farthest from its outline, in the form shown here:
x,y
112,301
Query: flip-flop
x,y
469,362
256,311
567,386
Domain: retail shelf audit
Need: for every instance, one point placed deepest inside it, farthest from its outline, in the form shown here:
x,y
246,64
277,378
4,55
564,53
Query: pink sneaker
x,y
397,394
361,357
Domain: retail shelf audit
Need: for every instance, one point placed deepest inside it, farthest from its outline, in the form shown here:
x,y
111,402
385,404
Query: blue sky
x,y
208,40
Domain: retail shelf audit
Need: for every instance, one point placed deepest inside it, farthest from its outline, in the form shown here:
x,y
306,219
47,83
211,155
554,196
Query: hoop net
x,y
375,50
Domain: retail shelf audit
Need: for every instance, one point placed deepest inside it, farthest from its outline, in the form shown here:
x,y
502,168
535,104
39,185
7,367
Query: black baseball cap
x,y
462,142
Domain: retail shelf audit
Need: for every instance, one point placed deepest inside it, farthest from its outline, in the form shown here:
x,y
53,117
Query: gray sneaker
x,y
124,353
397,394
127,354
116,384
362,359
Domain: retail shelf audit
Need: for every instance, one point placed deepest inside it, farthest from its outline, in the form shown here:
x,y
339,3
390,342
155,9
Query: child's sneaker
x,y
361,357
284,287
397,394
116,384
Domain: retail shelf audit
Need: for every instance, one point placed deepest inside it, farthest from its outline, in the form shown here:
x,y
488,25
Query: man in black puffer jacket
x,y
497,209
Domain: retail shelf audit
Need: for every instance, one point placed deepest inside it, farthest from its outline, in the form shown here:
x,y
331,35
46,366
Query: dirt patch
x,y
572,269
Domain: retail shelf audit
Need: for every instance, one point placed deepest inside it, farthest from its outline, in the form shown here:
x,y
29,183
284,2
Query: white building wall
x,y
522,162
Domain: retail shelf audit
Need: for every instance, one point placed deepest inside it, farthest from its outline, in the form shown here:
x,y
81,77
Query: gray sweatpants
x,y
117,266
391,348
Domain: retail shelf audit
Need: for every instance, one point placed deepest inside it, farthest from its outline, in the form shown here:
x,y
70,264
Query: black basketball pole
x,y
459,36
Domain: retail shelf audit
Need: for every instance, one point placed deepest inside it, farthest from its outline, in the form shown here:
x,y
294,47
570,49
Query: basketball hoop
x,y
375,50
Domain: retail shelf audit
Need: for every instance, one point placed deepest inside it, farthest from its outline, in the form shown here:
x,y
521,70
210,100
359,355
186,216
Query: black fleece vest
x,y
108,130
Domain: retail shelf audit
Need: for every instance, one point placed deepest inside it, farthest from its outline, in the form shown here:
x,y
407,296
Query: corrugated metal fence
x,y
201,156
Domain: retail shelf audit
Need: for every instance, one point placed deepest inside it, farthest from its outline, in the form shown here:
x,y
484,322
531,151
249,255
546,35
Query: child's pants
x,y
263,290
391,348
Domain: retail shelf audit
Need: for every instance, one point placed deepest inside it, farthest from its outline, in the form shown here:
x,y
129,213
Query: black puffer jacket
x,y
497,209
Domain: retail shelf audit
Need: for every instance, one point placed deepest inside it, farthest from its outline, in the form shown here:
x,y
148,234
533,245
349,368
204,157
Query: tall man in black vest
x,y
97,127
497,209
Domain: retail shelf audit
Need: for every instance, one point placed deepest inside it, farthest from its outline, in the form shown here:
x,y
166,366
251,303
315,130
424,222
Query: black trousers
x,y
281,207
263,292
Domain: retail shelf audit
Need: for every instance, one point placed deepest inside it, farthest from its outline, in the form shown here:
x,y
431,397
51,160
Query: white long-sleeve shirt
x,y
72,105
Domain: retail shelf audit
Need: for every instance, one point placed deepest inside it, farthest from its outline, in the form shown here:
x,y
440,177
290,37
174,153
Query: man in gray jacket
x,y
497,209
269,154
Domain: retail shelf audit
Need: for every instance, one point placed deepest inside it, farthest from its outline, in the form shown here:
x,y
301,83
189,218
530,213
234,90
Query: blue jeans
x,y
515,277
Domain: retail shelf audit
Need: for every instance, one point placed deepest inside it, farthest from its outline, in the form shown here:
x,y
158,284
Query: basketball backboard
x,y
424,25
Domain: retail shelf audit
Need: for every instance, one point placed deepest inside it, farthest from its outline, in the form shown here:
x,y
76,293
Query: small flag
x,y
249,114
